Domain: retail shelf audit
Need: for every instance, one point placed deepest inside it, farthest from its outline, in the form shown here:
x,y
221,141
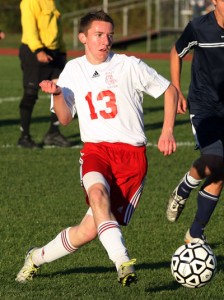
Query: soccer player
x,y
2,35
206,106
106,91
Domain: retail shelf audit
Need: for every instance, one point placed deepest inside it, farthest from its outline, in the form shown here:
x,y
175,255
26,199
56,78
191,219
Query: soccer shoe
x,y
175,206
126,273
189,239
56,139
26,141
29,269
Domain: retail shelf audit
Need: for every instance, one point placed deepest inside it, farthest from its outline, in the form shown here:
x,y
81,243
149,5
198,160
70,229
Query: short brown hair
x,y
86,21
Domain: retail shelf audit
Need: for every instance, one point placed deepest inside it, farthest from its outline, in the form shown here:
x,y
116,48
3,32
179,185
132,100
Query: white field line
x,y
16,99
9,99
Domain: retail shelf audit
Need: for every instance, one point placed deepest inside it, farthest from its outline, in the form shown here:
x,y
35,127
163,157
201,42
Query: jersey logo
x,y
96,74
110,80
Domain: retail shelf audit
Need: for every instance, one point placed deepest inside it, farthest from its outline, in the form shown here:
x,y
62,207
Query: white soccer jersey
x,y
108,97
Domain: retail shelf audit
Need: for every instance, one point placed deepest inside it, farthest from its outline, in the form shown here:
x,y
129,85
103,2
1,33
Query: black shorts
x,y
34,72
209,134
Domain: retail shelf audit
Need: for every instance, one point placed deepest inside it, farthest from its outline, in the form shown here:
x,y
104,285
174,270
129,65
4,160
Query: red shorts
x,y
124,168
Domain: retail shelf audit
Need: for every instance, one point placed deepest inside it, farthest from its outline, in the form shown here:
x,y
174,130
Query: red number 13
x,y
111,103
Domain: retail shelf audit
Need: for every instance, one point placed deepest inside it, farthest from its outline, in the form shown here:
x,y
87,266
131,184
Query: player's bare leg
x,y
71,239
110,234
66,242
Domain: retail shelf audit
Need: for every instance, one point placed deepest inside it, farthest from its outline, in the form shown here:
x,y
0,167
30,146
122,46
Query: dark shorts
x,y
34,72
209,134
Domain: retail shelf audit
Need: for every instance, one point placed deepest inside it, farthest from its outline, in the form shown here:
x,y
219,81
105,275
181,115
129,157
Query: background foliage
x,y
10,13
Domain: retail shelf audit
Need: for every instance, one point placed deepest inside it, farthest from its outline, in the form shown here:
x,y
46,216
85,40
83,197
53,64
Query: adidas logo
x,y
96,74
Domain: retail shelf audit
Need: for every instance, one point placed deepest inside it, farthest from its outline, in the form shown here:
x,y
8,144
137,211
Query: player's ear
x,y
82,37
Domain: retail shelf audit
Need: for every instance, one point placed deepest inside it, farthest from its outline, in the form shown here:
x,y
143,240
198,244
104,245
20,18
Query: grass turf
x,y
40,195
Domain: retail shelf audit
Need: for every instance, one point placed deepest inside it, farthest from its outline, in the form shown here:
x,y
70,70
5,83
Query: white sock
x,y
111,238
194,182
55,249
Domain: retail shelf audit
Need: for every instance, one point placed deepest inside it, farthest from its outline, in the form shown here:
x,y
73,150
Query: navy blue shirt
x,y
206,91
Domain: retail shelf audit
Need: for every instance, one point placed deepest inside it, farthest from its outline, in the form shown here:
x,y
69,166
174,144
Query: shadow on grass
x,y
10,122
156,125
39,120
99,269
154,288
172,286
220,263
35,120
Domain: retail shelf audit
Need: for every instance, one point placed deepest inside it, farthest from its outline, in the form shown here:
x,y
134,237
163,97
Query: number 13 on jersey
x,y
110,104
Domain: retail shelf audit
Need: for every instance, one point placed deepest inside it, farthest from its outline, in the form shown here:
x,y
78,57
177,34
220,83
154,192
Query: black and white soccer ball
x,y
193,265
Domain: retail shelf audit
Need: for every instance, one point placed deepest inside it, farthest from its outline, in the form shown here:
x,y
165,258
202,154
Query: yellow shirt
x,y
41,25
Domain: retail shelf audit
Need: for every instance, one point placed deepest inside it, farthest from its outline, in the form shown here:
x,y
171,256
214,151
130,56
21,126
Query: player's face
x,y
98,41
219,11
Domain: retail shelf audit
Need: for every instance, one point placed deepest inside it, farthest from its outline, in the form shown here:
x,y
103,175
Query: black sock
x,y
54,126
25,120
206,205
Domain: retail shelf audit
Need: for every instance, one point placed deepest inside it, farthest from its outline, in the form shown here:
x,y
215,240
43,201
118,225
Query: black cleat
x,y
56,139
26,141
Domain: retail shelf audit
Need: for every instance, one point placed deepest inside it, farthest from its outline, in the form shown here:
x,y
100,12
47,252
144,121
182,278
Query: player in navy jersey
x,y
106,89
205,35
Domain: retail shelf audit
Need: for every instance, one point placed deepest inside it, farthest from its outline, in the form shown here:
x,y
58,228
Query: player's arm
x,y
60,107
167,143
175,72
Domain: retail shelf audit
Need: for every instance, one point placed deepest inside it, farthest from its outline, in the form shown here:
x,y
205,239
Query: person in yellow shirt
x,y
43,56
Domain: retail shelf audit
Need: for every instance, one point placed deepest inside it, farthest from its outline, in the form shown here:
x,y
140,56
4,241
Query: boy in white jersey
x,y
106,92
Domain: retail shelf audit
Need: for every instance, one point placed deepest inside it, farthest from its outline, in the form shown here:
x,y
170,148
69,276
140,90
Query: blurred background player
x,y
106,90
2,35
43,56
201,7
198,7
205,35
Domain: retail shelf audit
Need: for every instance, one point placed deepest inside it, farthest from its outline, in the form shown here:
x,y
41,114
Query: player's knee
x,y
210,165
200,166
98,196
29,98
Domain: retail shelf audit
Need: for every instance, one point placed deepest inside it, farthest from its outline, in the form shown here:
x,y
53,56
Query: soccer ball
x,y
193,265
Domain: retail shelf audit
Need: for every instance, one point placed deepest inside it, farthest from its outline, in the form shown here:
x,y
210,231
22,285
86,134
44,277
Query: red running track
x,y
76,53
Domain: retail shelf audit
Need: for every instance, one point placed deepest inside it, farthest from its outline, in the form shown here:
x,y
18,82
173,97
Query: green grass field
x,y
40,195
